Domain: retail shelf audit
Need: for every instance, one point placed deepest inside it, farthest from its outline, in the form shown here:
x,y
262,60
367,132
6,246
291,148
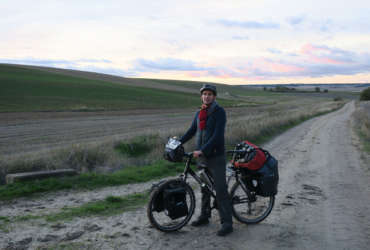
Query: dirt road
x,y
323,203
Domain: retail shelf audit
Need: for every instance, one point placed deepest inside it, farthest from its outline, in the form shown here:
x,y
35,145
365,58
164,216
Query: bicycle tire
x,y
249,212
160,220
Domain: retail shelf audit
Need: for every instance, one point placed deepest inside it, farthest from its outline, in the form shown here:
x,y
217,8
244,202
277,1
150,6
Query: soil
x,y
323,203
23,133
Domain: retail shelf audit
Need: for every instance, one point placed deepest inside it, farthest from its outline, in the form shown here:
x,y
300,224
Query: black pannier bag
x,y
174,201
158,203
268,177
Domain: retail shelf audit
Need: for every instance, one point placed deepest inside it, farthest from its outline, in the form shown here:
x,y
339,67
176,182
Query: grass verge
x,y
91,180
269,125
270,133
361,118
109,206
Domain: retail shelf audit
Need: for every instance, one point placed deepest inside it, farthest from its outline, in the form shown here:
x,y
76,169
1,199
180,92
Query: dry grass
x,y
254,123
362,122
256,126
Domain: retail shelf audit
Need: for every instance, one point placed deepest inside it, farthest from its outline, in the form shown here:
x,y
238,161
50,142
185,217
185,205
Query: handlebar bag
x,y
253,160
174,151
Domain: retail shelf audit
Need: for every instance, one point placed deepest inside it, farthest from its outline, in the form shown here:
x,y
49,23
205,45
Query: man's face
x,y
207,97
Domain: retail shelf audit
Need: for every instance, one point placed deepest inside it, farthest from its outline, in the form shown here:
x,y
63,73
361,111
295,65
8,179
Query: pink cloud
x,y
319,54
196,73
271,66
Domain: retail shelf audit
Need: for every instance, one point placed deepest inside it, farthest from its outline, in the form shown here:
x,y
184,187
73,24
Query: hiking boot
x,y
225,230
202,220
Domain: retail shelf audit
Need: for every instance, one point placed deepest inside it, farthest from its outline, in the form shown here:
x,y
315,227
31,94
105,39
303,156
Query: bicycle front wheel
x,y
250,211
159,215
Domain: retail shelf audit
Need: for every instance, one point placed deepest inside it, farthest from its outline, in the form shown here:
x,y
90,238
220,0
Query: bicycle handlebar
x,y
189,154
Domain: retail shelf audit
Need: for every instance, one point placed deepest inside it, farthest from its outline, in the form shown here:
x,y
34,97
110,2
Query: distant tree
x,y
279,88
264,88
317,89
365,95
326,91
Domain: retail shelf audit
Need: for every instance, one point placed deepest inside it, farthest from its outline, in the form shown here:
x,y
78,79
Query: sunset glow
x,y
233,42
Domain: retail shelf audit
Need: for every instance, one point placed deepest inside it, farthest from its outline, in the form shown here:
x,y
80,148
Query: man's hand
x,y
197,153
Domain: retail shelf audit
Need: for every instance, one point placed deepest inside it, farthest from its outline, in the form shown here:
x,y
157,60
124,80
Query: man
x,y
209,127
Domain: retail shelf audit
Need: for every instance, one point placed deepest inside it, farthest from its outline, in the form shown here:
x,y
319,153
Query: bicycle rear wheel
x,y
250,211
159,216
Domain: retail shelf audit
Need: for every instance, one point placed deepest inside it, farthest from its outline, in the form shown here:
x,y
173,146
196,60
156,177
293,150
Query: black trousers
x,y
216,167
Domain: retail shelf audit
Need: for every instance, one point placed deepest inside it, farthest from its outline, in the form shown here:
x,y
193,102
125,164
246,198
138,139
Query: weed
x,y
27,217
4,221
137,146
365,95
260,127
67,246
361,118
85,159
91,180
111,205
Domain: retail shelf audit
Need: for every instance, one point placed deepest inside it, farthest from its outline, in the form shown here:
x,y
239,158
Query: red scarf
x,y
203,117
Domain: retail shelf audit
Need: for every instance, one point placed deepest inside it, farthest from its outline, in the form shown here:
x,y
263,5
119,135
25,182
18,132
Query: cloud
x,y
93,61
327,55
165,64
317,61
240,38
79,64
248,24
274,51
325,26
34,61
310,61
107,70
295,20
52,62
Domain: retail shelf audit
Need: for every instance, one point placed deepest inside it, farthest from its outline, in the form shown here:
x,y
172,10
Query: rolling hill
x,y
30,88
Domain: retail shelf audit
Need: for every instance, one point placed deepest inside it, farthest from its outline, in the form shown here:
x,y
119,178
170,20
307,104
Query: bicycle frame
x,y
197,178
236,174
208,189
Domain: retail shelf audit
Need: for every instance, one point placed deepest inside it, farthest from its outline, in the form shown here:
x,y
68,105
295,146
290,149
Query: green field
x,y
23,89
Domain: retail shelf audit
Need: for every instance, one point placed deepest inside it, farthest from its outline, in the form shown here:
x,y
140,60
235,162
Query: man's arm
x,y
218,134
191,131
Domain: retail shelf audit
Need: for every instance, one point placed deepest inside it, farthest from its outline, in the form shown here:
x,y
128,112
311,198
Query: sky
x,y
232,42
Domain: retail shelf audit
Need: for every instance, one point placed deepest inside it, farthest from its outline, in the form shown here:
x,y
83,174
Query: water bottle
x,y
254,183
229,170
205,178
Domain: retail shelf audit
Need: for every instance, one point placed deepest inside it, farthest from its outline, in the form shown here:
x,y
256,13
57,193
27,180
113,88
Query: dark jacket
x,y
211,140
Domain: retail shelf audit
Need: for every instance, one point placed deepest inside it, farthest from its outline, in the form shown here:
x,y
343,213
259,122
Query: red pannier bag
x,y
252,160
